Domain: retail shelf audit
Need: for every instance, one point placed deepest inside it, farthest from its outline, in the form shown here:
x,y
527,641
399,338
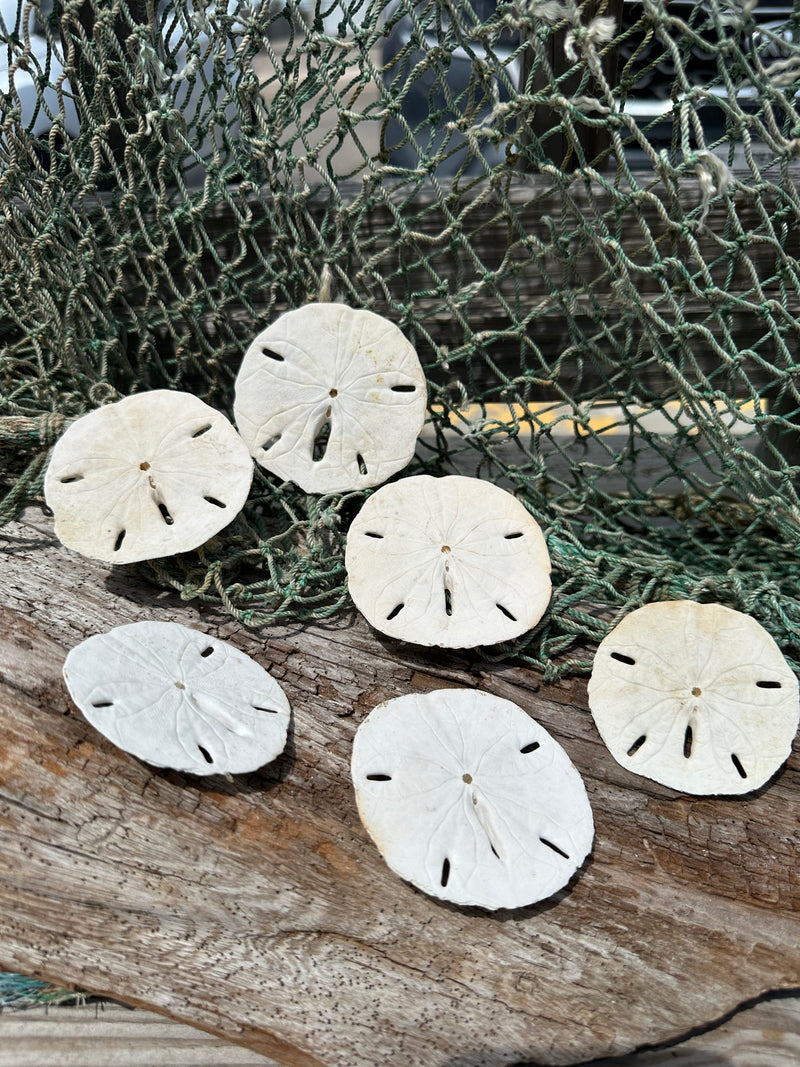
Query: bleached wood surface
x,y
260,910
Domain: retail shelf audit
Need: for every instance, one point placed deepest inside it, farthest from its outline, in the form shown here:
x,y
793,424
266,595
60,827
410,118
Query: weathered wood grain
x,y
259,909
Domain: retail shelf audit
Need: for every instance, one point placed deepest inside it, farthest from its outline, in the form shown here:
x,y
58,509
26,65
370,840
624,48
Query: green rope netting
x,y
18,991
584,216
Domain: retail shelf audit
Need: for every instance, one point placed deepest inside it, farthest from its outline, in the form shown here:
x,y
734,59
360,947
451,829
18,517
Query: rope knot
x,y
51,427
600,31
715,178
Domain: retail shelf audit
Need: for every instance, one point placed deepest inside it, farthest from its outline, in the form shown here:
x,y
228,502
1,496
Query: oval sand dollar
x,y
175,697
331,398
695,696
470,799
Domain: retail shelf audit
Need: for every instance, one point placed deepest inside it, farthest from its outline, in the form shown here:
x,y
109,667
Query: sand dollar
x,y
470,799
175,697
154,474
695,696
331,398
452,561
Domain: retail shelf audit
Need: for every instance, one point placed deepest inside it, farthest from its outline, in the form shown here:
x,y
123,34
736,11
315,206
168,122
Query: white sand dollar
x,y
695,696
154,474
470,799
175,697
452,561
331,398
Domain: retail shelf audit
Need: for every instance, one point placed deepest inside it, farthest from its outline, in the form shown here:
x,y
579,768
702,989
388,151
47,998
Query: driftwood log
x,y
259,909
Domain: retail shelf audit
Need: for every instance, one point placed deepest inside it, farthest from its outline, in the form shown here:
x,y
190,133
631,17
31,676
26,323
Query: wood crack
x,y
22,806
697,1031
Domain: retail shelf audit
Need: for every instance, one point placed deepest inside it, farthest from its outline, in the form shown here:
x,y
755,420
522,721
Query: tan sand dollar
x,y
154,474
174,697
331,398
453,561
695,696
470,799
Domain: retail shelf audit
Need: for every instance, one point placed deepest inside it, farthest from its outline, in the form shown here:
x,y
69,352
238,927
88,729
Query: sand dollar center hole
x,y
697,691
145,466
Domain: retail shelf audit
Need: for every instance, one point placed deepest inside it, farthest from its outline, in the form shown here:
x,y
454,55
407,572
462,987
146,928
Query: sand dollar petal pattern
x,y
695,696
151,475
331,398
175,697
454,562
470,799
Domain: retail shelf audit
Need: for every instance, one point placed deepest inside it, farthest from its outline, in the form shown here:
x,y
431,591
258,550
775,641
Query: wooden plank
x,y
720,323
109,1035
260,910
470,266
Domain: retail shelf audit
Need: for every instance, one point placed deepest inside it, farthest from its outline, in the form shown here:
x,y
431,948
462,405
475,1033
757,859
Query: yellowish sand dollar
x,y
152,475
331,398
695,696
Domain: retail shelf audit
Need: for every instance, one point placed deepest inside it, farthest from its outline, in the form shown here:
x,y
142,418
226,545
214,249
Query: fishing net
x,y
584,216
18,991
